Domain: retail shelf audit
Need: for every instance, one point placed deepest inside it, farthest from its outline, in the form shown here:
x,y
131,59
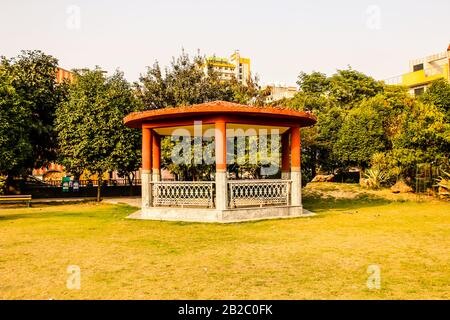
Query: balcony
x,y
420,77
425,76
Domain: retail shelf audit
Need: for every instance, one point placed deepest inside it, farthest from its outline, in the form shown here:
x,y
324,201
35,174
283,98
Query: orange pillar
x,y
146,149
146,168
295,149
221,146
156,156
285,165
221,165
296,186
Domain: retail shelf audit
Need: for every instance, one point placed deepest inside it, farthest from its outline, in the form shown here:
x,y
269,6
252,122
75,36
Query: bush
x,y
2,185
387,166
401,187
443,183
374,178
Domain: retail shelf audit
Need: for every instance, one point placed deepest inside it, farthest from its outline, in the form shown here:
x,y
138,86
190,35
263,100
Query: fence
x,y
183,193
92,183
243,193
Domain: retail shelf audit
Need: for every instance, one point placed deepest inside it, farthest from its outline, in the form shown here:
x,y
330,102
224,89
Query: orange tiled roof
x,y
265,113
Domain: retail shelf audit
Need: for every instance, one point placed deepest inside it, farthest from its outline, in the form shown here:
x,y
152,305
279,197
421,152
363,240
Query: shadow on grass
x,y
312,201
9,217
44,211
44,215
44,204
317,203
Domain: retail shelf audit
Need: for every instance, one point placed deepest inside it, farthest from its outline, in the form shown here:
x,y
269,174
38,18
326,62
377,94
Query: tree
x,y
359,118
185,83
30,96
360,136
35,81
318,141
438,94
90,128
329,123
348,87
313,95
424,137
126,156
15,146
314,83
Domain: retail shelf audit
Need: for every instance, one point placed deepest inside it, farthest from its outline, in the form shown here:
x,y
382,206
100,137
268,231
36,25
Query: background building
x,y
278,92
242,70
63,74
423,71
236,66
222,66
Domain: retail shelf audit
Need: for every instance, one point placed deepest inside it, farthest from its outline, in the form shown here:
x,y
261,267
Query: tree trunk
x,y
99,188
9,182
130,181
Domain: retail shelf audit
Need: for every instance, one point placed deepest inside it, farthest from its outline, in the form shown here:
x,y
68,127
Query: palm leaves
x,y
443,184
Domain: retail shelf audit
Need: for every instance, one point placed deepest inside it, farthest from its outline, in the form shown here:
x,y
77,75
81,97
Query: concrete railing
x,y
241,193
250,193
183,193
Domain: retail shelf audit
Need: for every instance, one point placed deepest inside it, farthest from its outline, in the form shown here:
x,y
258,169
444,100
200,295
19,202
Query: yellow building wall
x,y
417,78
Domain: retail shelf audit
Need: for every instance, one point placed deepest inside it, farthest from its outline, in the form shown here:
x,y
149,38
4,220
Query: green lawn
x,y
323,257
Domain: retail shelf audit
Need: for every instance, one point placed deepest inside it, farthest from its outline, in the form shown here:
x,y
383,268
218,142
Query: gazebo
x,y
222,199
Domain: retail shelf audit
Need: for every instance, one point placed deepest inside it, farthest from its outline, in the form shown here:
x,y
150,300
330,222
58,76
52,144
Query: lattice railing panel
x,y
258,192
183,193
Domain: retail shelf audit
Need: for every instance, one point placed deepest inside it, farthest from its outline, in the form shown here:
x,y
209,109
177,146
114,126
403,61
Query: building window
x,y
419,91
418,67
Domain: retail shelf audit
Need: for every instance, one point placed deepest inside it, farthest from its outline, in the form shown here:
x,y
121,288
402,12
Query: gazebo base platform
x,y
222,216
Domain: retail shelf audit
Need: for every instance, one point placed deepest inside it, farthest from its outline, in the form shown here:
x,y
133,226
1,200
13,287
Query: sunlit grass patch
x,y
324,257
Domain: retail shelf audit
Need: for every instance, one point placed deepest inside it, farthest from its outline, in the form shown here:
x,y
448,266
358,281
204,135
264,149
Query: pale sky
x,y
281,37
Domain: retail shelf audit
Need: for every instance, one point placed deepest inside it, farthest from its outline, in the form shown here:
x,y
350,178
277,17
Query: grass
x,y
322,257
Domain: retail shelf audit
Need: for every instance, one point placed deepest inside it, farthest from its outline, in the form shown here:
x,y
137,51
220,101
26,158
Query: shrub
x,y
443,183
2,185
374,178
386,164
401,187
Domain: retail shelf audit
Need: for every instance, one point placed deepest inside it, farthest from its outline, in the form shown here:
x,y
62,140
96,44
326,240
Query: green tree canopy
x,y
90,128
360,136
359,117
184,82
314,83
349,86
438,94
15,147
126,156
36,95
424,137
